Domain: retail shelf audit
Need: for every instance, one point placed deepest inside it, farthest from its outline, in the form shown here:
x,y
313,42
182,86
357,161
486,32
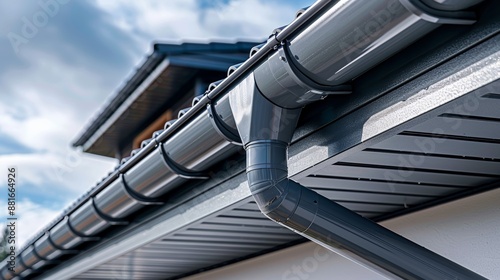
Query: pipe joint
x,y
257,117
267,172
278,197
268,179
267,154
286,86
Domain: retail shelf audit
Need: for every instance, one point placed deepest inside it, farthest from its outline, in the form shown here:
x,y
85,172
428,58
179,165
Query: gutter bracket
x,y
179,169
42,259
38,256
108,219
75,232
293,68
64,251
138,197
231,135
438,16
21,262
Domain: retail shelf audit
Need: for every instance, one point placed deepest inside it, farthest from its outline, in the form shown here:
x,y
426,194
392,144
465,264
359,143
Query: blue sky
x,y
60,60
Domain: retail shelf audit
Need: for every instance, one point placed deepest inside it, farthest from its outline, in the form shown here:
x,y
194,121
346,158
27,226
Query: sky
x,y
61,60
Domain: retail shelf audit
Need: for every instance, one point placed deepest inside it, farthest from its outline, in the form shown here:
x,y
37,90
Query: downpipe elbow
x,y
279,198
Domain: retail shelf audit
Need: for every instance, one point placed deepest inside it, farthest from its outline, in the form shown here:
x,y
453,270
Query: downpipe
x,y
266,107
266,130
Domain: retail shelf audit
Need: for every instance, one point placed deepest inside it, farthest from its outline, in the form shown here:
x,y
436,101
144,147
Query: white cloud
x,y
32,218
31,166
47,105
253,18
186,20
72,172
54,99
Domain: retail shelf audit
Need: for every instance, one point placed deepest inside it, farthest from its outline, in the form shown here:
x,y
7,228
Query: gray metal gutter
x,y
160,52
203,136
224,195
481,60
118,196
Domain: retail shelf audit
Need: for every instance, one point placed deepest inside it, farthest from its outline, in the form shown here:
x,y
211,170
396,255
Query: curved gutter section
x,y
266,106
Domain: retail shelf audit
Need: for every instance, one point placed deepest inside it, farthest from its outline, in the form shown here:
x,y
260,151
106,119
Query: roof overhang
x,y
354,158
436,109
164,74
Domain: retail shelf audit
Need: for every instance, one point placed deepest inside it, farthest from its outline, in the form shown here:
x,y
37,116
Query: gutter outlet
x,y
266,130
266,106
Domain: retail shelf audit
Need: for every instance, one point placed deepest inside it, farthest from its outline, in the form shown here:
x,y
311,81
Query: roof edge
x,y
160,51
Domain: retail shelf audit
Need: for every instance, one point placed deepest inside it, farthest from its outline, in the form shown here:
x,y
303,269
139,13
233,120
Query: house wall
x,y
466,231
